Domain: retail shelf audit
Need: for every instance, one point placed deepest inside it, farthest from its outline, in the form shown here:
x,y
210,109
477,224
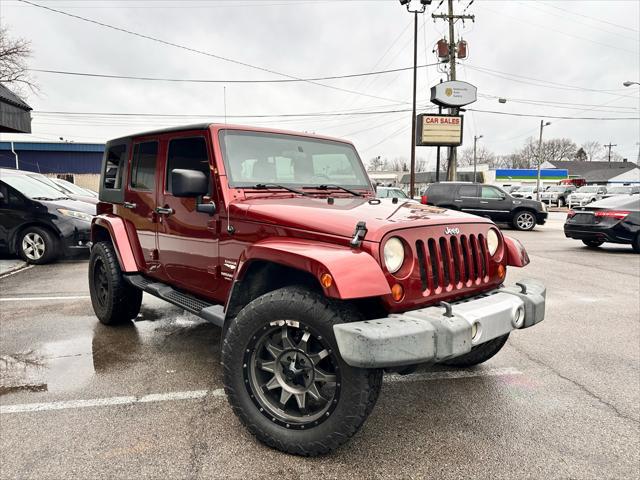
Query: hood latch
x,y
359,234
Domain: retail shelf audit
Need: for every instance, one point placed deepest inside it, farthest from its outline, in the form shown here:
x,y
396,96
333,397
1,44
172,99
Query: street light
x,y
423,7
628,83
475,141
542,125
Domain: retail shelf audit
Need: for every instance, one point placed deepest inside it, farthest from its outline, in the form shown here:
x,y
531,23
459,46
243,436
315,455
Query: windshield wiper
x,y
337,187
267,186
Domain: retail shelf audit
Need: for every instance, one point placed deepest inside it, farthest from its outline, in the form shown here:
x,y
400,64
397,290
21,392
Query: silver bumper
x,y
435,334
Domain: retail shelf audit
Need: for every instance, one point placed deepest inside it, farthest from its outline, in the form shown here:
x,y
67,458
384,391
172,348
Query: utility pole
x,y
609,146
542,125
475,141
451,18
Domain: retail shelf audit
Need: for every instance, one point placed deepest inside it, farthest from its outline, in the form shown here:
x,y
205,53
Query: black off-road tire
x,y
114,300
524,220
592,243
636,243
359,388
479,354
37,245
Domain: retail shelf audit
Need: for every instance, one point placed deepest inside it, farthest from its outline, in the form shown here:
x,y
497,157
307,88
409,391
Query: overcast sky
x,y
571,55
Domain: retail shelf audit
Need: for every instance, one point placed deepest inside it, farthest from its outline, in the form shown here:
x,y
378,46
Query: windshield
x,y
253,158
31,188
72,187
390,193
526,189
619,190
587,189
556,189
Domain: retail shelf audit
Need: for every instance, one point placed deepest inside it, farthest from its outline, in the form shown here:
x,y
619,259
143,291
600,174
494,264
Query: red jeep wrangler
x,y
319,287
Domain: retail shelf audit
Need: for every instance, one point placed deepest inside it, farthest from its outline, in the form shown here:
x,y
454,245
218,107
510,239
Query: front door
x,y
139,210
188,239
494,203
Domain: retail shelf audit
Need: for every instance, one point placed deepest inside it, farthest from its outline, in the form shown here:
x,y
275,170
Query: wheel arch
x,y
13,243
111,228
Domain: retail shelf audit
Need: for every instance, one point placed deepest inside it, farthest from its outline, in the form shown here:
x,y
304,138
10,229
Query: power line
x,y
188,80
537,115
201,52
587,16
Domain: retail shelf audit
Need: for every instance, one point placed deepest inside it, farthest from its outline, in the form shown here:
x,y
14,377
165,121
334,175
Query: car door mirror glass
x,y
188,183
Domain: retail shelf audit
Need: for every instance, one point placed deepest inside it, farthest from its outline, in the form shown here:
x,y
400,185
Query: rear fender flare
x,y
355,273
117,232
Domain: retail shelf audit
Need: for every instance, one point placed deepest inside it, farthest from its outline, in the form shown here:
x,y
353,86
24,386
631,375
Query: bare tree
x,y
593,150
483,156
421,165
14,70
557,149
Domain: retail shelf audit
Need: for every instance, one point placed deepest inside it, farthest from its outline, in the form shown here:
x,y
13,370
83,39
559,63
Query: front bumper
x,y
434,334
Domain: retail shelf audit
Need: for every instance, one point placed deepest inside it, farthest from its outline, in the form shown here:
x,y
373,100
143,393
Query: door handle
x,y
164,210
129,205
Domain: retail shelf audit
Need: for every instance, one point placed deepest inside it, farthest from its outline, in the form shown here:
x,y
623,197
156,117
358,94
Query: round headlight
x,y
393,254
493,241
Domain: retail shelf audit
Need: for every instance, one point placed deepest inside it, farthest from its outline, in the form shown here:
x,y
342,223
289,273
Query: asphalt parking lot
x,y
562,400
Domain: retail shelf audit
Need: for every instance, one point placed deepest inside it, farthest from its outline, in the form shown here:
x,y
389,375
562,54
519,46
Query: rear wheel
x,y
38,245
284,378
524,220
592,243
561,202
479,354
114,300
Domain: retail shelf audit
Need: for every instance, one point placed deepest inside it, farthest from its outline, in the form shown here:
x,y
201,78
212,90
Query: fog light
x,y
326,280
474,331
502,272
397,292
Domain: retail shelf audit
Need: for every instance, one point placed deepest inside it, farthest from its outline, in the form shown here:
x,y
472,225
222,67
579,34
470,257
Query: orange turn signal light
x,y
326,280
397,292
502,272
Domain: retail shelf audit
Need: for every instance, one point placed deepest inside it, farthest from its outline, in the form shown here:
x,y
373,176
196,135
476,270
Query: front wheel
x,y
114,300
38,245
592,243
524,220
285,379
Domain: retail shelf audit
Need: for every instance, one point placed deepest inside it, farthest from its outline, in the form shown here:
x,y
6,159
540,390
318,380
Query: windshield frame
x,y
359,169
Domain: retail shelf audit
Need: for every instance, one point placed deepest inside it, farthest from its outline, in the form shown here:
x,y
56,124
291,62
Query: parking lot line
x,y
219,393
23,299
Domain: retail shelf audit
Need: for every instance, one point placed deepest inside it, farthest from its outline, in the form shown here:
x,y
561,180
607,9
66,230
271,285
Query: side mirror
x,y
188,183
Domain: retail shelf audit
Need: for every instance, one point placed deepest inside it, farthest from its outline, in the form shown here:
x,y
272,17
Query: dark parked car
x,y
39,223
615,220
487,201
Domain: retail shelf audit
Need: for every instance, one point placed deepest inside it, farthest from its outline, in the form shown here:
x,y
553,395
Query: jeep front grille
x,y
449,263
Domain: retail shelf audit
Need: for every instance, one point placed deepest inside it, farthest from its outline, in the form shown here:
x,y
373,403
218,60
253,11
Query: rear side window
x,y
468,191
143,168
115,160
436,189
189,154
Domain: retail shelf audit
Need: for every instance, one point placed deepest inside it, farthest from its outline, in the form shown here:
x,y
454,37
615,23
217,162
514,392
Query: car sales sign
x,y
439,130
453,94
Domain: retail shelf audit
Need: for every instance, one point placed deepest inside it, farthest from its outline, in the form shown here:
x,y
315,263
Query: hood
x,y
340,217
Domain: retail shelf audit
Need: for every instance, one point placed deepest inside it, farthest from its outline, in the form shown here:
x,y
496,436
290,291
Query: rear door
x,y
466,198
140,198
188,239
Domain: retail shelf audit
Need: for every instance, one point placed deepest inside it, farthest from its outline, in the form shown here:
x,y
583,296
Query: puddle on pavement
x,y
72,363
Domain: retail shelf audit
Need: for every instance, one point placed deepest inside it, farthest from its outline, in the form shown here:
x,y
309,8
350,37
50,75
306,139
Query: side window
x,y
11,197
468,191
190,154
112,175
490,192
143,166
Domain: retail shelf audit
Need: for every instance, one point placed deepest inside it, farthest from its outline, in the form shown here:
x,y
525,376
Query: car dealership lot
x,y
81,400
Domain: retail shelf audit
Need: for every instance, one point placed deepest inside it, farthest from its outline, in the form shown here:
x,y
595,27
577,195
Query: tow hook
x,y
359,234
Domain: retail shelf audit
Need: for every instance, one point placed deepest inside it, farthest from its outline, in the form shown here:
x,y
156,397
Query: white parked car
x,y
622,190
587,194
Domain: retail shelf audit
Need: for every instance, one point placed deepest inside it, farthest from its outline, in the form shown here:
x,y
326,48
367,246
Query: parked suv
x,y
318,286
38,223
488,201
587,194
558,194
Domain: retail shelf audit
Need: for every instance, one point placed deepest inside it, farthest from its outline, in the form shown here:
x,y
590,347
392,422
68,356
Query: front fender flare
x,y
118,233
516,254
356,274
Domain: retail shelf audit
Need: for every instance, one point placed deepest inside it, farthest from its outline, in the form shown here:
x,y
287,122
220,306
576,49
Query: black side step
x,y
209,311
